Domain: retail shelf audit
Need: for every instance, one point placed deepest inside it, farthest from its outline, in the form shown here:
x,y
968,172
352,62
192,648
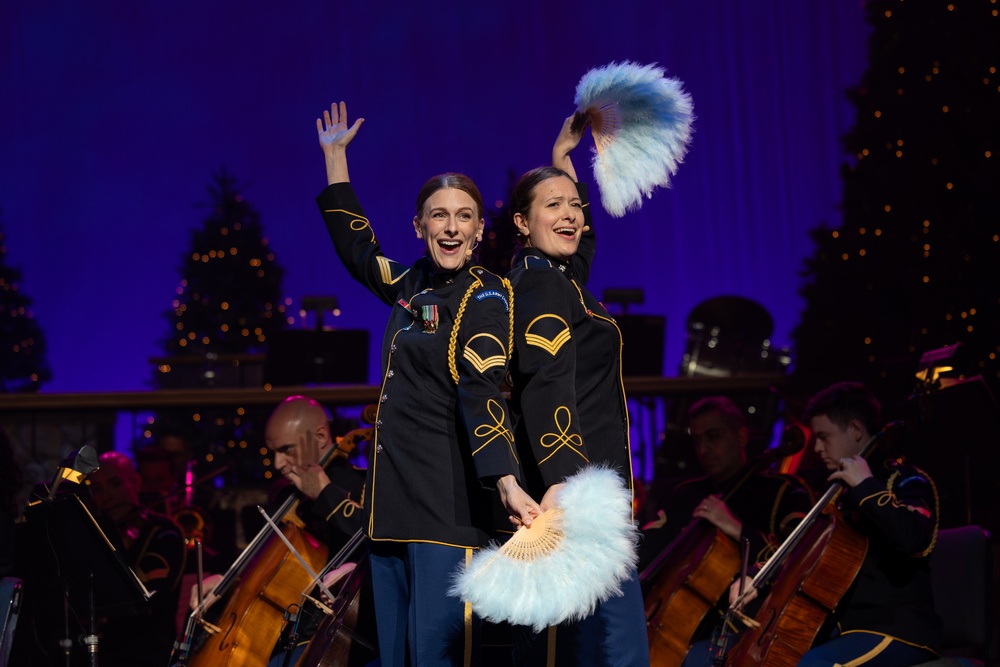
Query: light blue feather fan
x,y
571,557
641,122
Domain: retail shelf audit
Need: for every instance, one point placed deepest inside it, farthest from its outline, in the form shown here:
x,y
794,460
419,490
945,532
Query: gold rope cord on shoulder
x,y
580,292
510,318
453,339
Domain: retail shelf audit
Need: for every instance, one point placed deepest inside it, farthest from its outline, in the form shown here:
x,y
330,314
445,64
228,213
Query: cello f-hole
x,y
224,641
766,636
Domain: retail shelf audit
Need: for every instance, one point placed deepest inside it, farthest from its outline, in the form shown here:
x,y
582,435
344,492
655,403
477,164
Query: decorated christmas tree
x,y
228,301
915,264
23,366
226,308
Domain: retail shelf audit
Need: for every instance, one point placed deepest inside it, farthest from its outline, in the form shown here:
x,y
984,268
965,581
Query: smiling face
x,y
450,226
554,221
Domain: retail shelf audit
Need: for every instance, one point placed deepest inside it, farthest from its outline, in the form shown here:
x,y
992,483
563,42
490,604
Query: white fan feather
x,y
592,553
642,126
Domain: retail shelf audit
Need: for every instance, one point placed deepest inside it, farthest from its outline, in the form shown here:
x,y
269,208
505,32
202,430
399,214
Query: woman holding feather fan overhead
x,y
567,393
573,570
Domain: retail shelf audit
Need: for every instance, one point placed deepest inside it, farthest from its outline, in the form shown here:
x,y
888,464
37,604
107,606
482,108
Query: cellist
x,y
886,618
298,435
764,509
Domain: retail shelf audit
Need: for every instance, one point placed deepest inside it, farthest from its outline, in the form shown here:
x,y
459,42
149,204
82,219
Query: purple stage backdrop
x,y
116,114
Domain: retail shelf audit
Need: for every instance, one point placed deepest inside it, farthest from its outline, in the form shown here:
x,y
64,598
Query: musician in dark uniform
x,y
153,546
886,618
888,614
763,507
567,392
443,439
298,435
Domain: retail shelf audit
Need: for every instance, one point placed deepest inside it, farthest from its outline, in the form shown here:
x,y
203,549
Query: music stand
x,y
87,565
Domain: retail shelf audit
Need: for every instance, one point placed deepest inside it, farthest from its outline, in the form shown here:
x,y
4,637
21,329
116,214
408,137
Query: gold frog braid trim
x,y
937,508
453,340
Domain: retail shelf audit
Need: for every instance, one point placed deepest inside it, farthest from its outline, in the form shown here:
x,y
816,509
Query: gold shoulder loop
x,y
477,275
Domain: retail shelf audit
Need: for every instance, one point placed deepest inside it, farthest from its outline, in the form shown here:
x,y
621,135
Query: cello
x,y
691,575
341,639
811,571
270,579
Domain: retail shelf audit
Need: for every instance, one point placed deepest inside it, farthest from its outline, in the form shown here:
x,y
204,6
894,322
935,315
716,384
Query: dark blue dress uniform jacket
x,y
897,511
442,433
567,393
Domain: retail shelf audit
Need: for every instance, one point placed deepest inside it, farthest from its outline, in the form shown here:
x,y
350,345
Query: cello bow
x,y
689,577
828,555
228,647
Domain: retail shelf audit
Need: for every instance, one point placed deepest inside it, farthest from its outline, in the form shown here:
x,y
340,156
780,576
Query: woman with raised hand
x,y
568,399
442,439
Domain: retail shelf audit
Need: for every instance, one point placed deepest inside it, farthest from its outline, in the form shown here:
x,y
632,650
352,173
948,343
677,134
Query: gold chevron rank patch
x,y
485,351
548,332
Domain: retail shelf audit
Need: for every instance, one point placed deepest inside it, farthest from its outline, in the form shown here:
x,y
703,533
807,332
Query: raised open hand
x,y
333,129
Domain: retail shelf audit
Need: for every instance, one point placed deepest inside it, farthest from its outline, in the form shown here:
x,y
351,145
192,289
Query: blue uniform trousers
x,y
613,636
419,624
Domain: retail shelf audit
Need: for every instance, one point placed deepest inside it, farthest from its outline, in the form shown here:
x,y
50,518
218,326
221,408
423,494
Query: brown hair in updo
x,y
449,180
524,194
524,190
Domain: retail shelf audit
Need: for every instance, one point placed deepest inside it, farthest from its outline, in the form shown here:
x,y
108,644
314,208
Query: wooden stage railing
x,y
329,395
46,426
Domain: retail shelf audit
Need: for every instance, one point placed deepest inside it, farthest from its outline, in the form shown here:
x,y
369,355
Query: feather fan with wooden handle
x,y
642,125
572,557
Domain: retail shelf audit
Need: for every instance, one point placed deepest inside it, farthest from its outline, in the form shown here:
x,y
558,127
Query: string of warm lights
x,y
912,265
23,365
226,307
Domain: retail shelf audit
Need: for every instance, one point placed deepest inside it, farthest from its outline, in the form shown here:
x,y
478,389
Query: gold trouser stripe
x,y
468,619
860,660
550,656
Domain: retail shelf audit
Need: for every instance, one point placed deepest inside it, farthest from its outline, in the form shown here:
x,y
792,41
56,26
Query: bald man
x,y
153,546
298,434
